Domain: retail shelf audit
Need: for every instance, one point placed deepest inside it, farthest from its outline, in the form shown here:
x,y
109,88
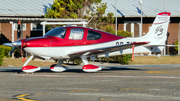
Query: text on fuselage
x,y
121,43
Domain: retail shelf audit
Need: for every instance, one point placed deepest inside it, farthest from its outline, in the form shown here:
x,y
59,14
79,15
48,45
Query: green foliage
x,y
124,33
77,61
87,9
5,50
1,56
176,43
69,8
110,29
123,59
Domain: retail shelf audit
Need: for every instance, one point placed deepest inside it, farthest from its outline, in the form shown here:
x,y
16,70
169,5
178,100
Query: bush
x,y
122,59
1,56
124,33
176,43
77,61
6,49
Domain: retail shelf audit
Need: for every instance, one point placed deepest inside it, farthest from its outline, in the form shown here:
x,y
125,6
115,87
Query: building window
x,y
16,26
133,27
36,27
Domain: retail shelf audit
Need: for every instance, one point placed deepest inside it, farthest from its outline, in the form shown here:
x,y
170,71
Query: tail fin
x,y
157,34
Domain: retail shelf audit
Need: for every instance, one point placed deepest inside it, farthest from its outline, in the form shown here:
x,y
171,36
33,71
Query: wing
x,y
100,51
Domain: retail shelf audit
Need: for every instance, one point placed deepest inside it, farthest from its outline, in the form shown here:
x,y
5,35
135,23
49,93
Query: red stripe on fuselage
x,y
51,41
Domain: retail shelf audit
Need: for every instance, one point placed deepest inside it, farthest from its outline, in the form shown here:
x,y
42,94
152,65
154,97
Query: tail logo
x,y
159,30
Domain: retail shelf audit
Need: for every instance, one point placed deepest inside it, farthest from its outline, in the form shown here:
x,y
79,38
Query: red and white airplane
x,y
80,42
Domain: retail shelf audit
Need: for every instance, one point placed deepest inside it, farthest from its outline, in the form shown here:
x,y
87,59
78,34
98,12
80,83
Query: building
x,y
128,17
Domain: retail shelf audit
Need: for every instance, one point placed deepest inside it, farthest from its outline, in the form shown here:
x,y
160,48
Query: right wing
x,y
100,51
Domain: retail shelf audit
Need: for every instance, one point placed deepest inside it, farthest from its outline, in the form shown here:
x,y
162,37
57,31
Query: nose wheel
x,y
28,68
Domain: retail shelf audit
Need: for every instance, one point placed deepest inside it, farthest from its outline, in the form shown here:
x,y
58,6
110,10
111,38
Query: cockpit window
x,y
92,35
57,32
76,34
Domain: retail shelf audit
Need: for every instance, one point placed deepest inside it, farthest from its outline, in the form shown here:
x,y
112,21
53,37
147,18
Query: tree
x,y
88,9
69,8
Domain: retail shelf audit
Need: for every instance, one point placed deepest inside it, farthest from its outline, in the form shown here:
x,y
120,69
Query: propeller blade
x,y
19,30
8,44
12,51
16,44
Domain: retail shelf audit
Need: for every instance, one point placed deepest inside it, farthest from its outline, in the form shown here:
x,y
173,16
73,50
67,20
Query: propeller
x,y
16,44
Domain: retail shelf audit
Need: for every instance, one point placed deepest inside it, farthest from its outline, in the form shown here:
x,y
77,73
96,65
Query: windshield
x,y
57,32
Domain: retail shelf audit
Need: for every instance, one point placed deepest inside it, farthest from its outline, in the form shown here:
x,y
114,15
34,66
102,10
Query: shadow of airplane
x,y
70,70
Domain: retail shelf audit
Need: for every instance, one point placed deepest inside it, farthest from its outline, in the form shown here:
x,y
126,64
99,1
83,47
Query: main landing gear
x,y
89,67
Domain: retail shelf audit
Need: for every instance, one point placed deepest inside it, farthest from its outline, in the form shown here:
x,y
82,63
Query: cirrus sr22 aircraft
x,y
80,42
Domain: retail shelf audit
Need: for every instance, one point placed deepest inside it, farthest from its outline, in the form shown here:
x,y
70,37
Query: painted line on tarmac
x,y
22,97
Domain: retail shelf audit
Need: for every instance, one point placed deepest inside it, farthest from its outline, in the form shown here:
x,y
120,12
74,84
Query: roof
x,y
125,8
132,8
40,19
24,7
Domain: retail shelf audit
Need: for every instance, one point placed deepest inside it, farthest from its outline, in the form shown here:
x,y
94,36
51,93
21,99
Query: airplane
x,y
81,42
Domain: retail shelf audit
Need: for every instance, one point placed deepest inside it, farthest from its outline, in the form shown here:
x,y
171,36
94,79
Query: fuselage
x,y
57,46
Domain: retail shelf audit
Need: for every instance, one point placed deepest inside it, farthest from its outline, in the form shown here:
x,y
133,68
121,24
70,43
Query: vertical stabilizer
x,y
157,34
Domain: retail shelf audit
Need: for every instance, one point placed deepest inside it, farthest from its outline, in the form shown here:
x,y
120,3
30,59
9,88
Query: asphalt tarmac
x,y
112,83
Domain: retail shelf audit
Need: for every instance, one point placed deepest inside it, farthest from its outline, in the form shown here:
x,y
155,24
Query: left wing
x,y
100,51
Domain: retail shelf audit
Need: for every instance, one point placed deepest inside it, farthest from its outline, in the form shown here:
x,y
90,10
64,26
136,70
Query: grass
x,y
17,62
155,60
